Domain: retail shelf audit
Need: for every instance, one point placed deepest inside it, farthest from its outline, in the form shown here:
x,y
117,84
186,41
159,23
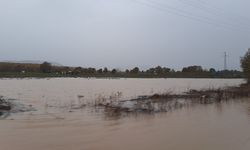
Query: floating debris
x,y
8,106
4,105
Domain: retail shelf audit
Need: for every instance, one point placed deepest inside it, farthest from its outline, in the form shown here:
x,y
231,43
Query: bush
x,y
245,64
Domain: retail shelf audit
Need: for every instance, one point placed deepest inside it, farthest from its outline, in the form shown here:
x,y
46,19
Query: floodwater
x,y
56,124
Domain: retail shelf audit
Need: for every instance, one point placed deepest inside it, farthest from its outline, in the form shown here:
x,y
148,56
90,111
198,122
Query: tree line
x,y
194,71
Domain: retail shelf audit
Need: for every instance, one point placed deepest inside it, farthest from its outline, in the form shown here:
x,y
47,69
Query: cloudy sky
x,y
125,33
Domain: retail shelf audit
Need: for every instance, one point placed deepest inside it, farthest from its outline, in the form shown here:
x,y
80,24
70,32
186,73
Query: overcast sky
x,y
125,33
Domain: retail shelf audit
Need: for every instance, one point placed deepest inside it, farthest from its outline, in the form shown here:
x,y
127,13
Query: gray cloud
x,y
125,33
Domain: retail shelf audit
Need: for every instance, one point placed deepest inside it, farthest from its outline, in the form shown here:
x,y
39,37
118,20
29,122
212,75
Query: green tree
x,y
151,71
114,71
136,70
105,70
192,69
99,71
166,70
127,71
91,70
45,67
212,70
245,65
158,70
77,71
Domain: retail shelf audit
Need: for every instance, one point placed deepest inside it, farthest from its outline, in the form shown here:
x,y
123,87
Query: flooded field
x,y
60,119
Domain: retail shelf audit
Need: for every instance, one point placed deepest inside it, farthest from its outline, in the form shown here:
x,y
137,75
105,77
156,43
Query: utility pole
x,y
225,60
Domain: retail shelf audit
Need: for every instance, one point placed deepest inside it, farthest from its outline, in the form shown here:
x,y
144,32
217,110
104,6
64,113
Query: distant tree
x,y
184,69
99,71
65,70
245,65
165,70
77,71
126,71
172,70
136,70
212,70
45,67
151,71
91,70
105,70
114,71
158,70
192,69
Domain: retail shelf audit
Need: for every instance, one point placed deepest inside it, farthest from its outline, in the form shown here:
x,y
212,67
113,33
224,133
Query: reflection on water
x,y
62,120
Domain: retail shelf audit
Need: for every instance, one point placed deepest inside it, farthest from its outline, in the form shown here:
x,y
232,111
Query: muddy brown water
x,y
57,125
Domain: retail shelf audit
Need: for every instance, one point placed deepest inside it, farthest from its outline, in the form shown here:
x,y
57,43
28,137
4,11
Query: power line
x,y
220,21
218,12
188,15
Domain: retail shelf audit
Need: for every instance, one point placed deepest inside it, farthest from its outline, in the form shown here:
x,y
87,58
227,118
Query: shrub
x,y
245,65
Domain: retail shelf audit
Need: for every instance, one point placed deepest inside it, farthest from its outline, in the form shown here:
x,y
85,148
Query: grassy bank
x,y
28,75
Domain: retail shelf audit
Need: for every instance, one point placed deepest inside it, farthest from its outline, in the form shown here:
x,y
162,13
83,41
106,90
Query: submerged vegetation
x,y
168,102
114,105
